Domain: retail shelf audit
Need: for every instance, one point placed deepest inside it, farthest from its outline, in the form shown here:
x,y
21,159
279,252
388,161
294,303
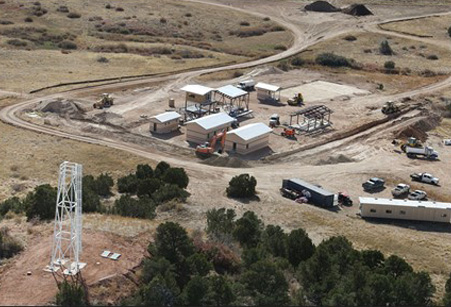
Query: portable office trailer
x,y
165,122
248,138
267,92
404,209
201,130
318,196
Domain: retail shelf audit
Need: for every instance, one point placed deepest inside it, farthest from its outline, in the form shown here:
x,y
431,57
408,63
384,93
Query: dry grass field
x,y
49,43
434,27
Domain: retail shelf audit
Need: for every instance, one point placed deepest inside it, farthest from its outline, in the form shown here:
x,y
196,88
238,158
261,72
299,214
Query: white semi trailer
x,y
427,152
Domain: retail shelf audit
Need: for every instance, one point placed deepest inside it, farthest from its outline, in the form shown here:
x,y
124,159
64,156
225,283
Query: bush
x,y
16,42
350,38
188,15
6,22
127,184
385,48
280,47
147,187
119,9
245,24
283,65
449,31
28,19
220,222
8,245
102,59
389,65
297,61
131,207
41,202
332,60
71,294
163,20
242,186
169,192
103,185
237,74
144,171
266,19
277,29
161,168
73,15
176,176
13,204
432,57
248,229
68,45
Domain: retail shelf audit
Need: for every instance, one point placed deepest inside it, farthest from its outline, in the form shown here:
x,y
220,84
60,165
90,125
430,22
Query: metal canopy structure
x,y
235,101
67,236
314,117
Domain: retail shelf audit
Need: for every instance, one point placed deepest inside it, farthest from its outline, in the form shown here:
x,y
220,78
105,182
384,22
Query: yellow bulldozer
x,y
411,142
104,102
297,100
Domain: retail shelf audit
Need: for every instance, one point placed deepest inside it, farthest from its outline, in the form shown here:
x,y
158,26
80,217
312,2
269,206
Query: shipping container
x,y
318,196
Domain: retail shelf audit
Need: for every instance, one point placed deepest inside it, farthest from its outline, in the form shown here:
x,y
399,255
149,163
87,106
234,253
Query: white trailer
x,y
427,152
403,209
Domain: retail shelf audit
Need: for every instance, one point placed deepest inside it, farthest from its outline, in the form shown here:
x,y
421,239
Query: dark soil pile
x,y
321,6
226,162
357,10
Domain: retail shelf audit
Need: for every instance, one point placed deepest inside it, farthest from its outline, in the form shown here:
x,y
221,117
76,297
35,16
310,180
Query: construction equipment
x,y
344,199
207,149
297,100
390,107
104,102
288,133
274,120
427,152
411,142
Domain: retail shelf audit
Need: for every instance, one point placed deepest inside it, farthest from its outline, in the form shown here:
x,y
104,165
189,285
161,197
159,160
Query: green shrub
x,y
176,175
102,59
350,38
248,229
242,186
127,184
143,207
297,61
41,202
16,42
6,22
389,65
71,294
245,24
449,31
68,45
144,171
28,19
283,65
8,245
332,60
432,57
169,192
147,187
385,48
13,204
73,15
280,47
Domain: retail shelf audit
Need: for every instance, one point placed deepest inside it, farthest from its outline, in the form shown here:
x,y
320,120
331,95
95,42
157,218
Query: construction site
x,y
335,150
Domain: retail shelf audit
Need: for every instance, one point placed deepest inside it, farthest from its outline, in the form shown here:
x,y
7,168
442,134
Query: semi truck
x,y
427,152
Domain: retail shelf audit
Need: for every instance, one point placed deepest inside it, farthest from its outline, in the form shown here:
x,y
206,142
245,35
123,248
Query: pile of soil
x,y
232,162
357,10
321,6
418,129
334,160
62,107
106,117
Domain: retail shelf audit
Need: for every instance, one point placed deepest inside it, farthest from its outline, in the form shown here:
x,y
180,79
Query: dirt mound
x,y
334,160
357,10
321,6
233,162
108,118
418,129
62,107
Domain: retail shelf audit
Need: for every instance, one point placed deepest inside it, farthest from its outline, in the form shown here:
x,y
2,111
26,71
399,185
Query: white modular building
x,y
248,138
404,209
165,122
268,92
201,130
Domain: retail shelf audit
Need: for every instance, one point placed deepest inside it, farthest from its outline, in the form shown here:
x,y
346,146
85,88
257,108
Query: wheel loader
x,y
104,102
297,100
390,107
411,142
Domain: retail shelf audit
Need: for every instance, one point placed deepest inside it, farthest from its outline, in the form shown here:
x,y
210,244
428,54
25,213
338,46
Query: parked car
x,y
401,189
418,195
447,142
373,184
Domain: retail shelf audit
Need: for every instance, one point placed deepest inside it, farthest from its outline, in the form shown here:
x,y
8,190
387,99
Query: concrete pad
x,y
321,90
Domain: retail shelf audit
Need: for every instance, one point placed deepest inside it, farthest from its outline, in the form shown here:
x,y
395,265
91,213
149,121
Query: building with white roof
x,y
201,130
404,209
268,92
164,122
197,99
234,100
248,138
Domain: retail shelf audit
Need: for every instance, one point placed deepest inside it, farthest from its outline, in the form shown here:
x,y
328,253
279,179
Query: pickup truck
x,y
425,178
401,190
418,195
373,184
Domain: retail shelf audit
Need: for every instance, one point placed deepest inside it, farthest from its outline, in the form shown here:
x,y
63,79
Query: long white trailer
x,y
404,209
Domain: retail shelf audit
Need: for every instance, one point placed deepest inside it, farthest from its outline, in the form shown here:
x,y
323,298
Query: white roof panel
x,y
232,91
167,116
268,87
251,131
196,89
404,203
211,121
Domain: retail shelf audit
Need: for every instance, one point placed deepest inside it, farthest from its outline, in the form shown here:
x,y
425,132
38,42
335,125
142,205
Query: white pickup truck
x,y
400,190
424,177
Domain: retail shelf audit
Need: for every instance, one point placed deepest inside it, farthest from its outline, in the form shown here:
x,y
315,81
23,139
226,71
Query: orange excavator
x,y
207,149
288,133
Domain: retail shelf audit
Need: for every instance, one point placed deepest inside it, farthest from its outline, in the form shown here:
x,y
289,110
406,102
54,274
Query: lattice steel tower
x,y
67,233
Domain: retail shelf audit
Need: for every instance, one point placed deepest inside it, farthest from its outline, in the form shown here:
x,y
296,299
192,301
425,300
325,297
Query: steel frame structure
x,y
67,235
